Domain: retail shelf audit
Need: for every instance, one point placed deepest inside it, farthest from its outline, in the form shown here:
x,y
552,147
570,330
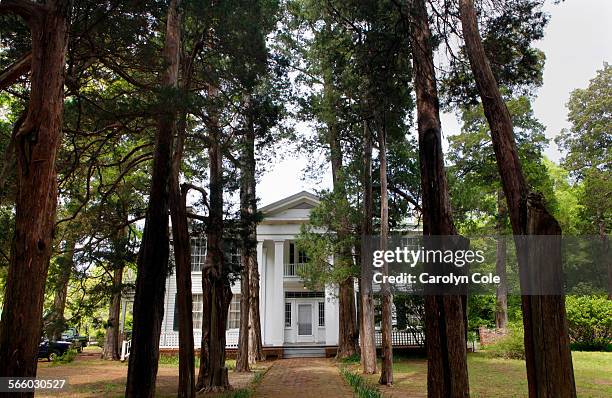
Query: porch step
x,y
304,352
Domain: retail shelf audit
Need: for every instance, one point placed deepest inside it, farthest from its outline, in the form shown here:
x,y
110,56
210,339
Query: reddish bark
x,y
447,374
154,249
367,338
111,340
182,258
36,144
386,373
217,294
547,352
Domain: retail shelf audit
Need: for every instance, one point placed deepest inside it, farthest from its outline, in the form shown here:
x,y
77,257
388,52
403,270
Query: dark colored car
x,y
52,349
72,335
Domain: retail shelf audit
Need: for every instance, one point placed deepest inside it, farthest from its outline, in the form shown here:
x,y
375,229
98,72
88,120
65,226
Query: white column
x,y
331,315
262,288
277,322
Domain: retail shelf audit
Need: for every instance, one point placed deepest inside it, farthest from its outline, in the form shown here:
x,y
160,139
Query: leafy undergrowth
x,y
360,385
510,346
65,358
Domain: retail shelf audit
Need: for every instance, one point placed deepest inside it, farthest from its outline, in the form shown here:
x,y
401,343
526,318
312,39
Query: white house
x,y
291,315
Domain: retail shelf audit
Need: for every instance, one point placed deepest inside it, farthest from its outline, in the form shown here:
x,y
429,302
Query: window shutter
x,y
291,253
175,319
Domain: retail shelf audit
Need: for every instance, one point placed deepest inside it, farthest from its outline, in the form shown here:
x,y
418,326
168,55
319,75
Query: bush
x,y
589,319
510,346
66,357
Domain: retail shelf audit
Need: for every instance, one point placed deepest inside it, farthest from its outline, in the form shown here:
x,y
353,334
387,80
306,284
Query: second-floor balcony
x,y
293,270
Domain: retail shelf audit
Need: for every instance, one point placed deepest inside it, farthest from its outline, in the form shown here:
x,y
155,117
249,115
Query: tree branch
x,y
26,9
15,70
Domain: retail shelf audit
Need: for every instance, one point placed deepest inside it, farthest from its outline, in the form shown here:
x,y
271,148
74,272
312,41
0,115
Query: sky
x,y
577,42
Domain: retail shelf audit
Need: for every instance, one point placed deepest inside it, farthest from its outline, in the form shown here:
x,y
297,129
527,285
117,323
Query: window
x,y
231,252
302,294
302,257
321,313
234,256
287,315
233,316
197,307
198,253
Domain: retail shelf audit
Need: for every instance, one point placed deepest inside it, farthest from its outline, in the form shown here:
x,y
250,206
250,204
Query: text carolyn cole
x,y
412,257
425,278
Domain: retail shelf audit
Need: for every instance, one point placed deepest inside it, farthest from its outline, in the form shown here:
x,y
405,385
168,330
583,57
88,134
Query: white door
x,y
305,323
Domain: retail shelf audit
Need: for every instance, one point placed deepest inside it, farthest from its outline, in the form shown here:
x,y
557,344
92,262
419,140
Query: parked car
x,y
52,349
72,335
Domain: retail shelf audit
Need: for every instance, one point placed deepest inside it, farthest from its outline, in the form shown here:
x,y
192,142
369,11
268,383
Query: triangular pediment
x,y
291,205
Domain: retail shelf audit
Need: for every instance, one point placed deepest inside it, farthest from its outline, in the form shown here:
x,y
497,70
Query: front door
x,y
305,323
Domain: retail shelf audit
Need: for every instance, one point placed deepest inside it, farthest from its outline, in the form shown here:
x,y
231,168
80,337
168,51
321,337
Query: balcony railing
x,y
293,270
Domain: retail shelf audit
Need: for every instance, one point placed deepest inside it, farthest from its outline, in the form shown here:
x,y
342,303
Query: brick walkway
x,y
303,377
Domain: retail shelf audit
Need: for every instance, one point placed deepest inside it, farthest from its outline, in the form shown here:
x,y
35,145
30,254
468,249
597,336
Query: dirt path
x,y
303,377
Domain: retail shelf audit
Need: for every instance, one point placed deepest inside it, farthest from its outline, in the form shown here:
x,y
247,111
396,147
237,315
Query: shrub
x,y
66,357
589,319
511,346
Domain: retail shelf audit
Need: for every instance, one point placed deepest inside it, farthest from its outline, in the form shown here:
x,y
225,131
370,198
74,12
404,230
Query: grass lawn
x,y
492,377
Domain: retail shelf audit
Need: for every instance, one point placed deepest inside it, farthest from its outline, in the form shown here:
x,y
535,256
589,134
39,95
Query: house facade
x,y
291,314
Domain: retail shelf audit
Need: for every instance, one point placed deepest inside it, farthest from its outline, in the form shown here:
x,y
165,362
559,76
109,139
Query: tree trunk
x,y
367,338
255,344
57,323
248,238
447,373
501,296
154,249
548,357
36,143
217,294
111,340
347,334
386,373
182,258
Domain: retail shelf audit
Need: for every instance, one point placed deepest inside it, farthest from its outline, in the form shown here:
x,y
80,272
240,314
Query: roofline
x,y
279,204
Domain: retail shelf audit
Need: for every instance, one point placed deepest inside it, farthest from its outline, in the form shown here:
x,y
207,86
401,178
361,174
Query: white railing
x,y
126,345
171,339
293,270
402,338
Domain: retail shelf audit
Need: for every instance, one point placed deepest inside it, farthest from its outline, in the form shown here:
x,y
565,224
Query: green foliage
x,y
360,385
508,30
66,357
474,178
318,240
481,311
588,142
568,196
355,358
511,346
589,319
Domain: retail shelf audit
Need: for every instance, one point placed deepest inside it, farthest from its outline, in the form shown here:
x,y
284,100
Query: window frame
x,y
234,309
288,312
321,314
198,253
199,304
